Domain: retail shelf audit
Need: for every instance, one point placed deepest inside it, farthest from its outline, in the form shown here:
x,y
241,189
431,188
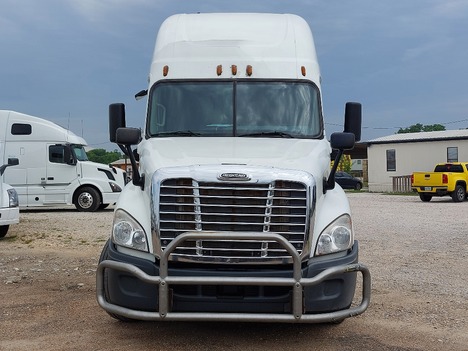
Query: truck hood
x,y
309,155
102,172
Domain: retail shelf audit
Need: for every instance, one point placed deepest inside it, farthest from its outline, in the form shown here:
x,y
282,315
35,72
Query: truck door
x,y
61,174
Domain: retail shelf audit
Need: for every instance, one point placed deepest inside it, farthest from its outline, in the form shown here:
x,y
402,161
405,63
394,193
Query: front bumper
x,y
110,198
317,293
9,215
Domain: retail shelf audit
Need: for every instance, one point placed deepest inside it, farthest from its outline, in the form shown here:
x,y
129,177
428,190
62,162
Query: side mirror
x,y
342,141
353,119
116,119
11,162
128,136
69,158
141,94
125,137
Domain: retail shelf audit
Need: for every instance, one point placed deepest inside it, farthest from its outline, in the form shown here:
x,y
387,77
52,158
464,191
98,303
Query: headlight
x,y
338,236
13,197
115,188
126,231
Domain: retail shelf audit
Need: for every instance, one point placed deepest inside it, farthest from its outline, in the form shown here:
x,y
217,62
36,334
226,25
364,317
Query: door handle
x,y
50,178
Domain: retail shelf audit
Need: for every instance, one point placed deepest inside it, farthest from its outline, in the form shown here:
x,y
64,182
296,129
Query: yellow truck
x,y
447,179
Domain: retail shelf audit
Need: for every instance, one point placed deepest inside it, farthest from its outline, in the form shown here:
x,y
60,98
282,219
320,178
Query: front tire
x,y
459,194
358,186
4,230
87,199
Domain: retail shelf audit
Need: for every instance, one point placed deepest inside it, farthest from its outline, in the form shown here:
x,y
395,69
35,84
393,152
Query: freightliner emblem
x,y
237,177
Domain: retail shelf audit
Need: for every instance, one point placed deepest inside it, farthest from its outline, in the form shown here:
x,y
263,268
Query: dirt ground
x,y
417,254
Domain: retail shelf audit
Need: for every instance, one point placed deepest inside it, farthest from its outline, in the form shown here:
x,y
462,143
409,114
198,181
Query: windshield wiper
x,y
178,133
268,134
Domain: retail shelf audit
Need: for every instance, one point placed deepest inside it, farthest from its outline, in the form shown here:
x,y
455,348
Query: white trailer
x,y
53,167
233,213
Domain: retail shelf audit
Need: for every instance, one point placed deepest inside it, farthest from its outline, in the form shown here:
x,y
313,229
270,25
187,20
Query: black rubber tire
x,y
104,256
425,197
358,186
4,230
459,194
87,199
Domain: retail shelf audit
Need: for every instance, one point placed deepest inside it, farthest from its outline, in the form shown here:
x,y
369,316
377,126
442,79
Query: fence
x,y
401,184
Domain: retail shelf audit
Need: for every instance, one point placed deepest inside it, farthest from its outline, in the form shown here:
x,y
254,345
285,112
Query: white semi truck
x,y
53,167
233,213
9,206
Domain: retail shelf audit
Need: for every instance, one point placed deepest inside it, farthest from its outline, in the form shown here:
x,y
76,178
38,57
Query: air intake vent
x,y
186,205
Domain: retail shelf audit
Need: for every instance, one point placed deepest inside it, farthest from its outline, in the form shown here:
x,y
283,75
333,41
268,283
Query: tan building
x,y
125,165
392,159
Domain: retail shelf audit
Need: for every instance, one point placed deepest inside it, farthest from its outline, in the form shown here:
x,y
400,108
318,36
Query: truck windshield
x,y
80,152
235,108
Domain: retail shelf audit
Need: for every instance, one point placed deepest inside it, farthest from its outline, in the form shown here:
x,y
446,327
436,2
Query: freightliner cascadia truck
x,y
232,213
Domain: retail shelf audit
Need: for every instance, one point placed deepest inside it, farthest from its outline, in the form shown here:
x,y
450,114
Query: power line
x,y
388,128
462,120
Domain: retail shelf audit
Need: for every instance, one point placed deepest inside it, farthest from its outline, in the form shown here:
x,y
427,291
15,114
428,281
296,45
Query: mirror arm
x,y
124,150
329,184
137,179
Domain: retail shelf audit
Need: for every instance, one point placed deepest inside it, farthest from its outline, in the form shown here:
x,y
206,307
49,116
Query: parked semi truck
x,y
9,210
233,213
53,167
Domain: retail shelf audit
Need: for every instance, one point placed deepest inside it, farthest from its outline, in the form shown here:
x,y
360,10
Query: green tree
x,y
344,165
418,127
103,156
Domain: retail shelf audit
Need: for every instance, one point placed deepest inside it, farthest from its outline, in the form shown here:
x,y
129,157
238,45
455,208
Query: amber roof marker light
x,y
303,71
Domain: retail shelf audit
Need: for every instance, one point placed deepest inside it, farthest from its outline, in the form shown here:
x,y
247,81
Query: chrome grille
x,y
188,205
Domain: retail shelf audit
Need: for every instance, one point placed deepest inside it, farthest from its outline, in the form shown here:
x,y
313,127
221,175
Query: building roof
x,y
460,134
122,161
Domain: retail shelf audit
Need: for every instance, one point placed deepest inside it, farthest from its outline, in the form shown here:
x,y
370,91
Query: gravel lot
x,y
417,254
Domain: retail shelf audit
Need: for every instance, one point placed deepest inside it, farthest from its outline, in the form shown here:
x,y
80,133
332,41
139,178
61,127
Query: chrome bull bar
x,y
297,283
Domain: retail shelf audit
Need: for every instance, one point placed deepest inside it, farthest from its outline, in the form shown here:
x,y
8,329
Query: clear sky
x,y
405,61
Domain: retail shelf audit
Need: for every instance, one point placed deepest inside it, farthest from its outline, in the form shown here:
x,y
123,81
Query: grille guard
x,y
296,282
